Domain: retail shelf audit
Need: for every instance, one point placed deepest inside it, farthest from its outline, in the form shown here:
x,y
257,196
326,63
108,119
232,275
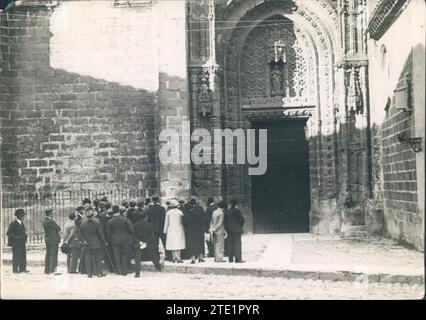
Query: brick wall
x,y
399,172
81,108
398,176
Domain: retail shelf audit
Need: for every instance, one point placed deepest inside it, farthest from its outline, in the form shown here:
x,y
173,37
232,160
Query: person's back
x,y
134,215
156,216
118,229
234,220
91,232
217,221
143,231
51,229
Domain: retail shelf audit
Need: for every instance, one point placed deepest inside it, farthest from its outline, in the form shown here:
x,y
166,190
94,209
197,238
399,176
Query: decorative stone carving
x,y
204,102
277,88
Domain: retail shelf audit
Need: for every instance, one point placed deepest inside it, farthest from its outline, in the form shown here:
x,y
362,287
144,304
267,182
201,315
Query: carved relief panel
x,y
273,63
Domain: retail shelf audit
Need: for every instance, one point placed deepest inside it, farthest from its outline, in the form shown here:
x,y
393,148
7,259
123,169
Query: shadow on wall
x,y
63,130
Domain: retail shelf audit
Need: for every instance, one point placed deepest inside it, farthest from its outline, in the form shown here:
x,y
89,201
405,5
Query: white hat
x,y
174,203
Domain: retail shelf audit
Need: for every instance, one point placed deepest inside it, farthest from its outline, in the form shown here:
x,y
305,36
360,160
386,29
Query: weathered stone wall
x,y
86,84
397,170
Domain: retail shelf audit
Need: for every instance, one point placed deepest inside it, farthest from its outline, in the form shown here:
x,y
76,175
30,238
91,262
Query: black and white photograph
x,y
215,150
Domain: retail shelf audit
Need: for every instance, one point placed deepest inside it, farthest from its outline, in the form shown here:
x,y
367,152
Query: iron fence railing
x,y
62,202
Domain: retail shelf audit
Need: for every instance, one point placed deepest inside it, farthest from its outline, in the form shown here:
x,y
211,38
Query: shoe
x,y
57,273
219,261
137,276
239,261
101,275
201,260
90,276
25,271
179,261
193,262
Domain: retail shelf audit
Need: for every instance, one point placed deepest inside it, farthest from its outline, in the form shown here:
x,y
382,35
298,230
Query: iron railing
x,y
63,203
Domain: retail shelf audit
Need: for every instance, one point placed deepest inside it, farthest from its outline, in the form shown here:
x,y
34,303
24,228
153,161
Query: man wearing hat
x,y
208,218
234,226
119,234
132,212
143,239
17,238
156,216
217,230
52,239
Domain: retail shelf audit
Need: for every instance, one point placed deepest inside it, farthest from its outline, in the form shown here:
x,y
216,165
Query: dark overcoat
x,y
194,223
234,221
157,216
51,232
16,234
91,233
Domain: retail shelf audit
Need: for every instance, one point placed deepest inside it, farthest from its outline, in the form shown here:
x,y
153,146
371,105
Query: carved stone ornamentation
x,y
204,102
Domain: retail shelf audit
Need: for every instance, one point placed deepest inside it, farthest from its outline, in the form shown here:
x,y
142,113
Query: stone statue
x,y
276,82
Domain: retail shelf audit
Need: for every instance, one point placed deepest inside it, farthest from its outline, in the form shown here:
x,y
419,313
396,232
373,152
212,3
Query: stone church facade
x,y
87,86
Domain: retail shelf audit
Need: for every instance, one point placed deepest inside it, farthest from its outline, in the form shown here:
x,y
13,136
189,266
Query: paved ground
x,y
36,285
278,266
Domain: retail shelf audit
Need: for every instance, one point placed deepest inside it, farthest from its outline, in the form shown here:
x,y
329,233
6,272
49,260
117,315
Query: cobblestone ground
x,y
36,285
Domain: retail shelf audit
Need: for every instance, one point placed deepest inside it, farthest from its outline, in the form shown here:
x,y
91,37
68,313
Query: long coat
x,y
91,232
174,230
16,234
234,221
194,223
51,231
156,216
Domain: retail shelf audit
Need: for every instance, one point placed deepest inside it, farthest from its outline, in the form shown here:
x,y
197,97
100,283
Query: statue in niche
x,y
276,81
278,69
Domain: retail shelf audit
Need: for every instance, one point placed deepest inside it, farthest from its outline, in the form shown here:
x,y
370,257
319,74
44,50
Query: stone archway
x,y
245,93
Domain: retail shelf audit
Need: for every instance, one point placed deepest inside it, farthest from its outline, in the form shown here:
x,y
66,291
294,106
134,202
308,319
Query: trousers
x,y
72,259
51,258
152,255
19,256
219,246
234,246
121,257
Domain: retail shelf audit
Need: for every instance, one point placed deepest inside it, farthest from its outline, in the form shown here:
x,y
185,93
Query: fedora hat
x,y
19,213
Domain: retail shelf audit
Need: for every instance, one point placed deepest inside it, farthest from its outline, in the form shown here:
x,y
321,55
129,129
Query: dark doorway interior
x,y
281,197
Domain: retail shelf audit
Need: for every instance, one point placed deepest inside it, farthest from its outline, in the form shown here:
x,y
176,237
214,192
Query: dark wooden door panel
x,y
281,197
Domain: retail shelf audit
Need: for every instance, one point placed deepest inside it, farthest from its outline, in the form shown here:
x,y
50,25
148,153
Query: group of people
x,y
100,236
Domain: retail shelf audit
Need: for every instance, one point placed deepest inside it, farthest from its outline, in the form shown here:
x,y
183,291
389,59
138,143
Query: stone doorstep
x,y
349,276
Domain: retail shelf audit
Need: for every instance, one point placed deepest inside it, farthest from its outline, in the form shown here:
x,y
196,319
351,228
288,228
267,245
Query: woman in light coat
x,y
175,233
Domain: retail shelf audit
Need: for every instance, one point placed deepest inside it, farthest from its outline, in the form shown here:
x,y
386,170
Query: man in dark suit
x,y
119,233
17,238
52,239
234,223
93,239
133,214
143,234
157,216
